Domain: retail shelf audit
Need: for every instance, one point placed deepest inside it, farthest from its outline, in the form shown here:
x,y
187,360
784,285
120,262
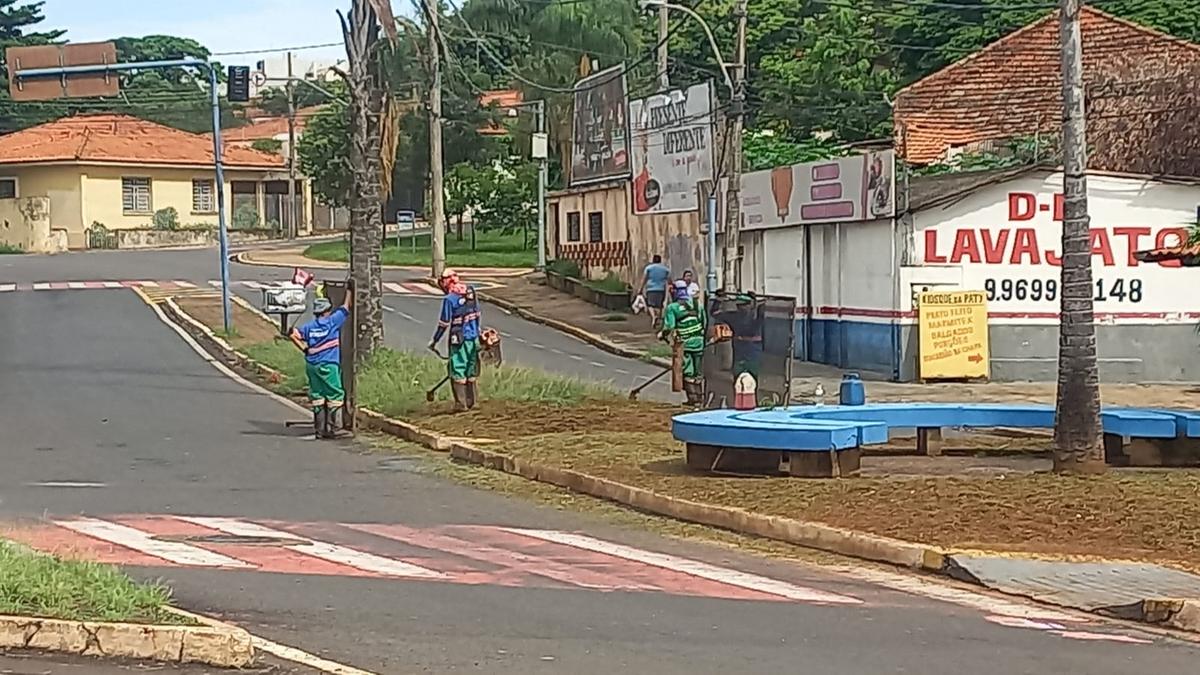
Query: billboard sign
x,y
843,189
600,128
672,149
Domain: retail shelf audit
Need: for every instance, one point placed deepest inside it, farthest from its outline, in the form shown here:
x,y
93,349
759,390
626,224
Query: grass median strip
x,y
44,586
555,421
491,249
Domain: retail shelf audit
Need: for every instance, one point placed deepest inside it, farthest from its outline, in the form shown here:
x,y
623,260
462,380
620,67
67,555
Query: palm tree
x,y
1078,440
368,103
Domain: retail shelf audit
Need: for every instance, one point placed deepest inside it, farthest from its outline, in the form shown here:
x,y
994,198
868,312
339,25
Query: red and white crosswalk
x,y
462,554
414,288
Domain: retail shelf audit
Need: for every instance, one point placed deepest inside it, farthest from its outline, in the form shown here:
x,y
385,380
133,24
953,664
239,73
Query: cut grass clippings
x,y
35,584
492,249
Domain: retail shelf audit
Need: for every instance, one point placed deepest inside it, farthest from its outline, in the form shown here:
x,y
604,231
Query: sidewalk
x,y
294,257
630,332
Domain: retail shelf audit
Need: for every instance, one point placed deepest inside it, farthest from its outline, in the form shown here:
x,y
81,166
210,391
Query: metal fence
x,y
763,328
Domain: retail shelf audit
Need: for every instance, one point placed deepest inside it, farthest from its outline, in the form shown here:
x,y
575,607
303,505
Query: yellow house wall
x,y
168,188
61,185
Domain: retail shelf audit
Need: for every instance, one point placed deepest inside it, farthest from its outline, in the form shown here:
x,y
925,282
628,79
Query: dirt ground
x,y
507,420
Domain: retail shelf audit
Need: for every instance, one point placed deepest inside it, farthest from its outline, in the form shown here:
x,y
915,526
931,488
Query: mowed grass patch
x,y
35,584
492,249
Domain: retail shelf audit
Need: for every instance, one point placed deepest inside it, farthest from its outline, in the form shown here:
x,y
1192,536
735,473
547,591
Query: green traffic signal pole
x,y
63,71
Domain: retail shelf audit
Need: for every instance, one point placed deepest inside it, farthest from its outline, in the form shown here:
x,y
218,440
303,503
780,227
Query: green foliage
x,y
508,199
10,249
565,268
271,145
493,248
464,188
765,149
324,154
245,217
33,584
611,283
1021,151
166,219
273,100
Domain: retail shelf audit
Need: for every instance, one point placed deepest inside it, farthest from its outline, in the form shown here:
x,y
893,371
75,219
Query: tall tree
x,y
1078,443
366,86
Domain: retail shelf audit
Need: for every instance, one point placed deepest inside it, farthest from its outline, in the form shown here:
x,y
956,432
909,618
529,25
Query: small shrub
x,y
611,283
166,219
566,268
245,217
270,145
10,249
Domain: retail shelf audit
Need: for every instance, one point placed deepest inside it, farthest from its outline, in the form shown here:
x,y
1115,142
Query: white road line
x,y
41,287
395,287
622,372
597,364
695,568
538,346
5,288
388,309
184,284
575,357
408,316
520,339
76,285
253,285
112,284
66,484
556,351
215,283
367,562
147,284
171,551
304,658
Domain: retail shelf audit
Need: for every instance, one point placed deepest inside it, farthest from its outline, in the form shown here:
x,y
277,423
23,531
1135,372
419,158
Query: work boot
x,y
459,389
694,391
472,393
320,422
337,426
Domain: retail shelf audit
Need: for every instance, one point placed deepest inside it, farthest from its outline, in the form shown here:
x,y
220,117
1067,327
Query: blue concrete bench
x,y
829,432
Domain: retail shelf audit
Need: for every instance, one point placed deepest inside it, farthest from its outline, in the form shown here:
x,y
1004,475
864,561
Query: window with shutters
x,y
135,196
596,226
574,226
203,196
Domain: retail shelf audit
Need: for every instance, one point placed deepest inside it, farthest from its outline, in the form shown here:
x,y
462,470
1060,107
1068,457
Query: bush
x,y
565,268
245,217
166,219
611,283
10,249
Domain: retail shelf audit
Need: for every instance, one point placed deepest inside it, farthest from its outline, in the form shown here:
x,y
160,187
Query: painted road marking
x,y
408,316
41,287
76,285
693,567
66,484
176,552
597,364
5,288
184,284
388,309
112,284
368,562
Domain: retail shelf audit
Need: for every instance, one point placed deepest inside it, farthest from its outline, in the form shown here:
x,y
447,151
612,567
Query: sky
x,y
220,25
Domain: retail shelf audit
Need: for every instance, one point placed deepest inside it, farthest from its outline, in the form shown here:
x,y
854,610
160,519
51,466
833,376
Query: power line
x,y
278,50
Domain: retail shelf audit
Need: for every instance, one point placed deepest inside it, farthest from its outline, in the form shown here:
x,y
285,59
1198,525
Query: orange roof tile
x,y
1013,86
1189,254
121,139
269,127
503,98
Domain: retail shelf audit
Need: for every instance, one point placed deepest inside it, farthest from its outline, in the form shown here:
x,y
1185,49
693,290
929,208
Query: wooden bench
x,y
827,441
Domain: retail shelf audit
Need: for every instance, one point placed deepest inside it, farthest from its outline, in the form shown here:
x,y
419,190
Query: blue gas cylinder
x,y
852,391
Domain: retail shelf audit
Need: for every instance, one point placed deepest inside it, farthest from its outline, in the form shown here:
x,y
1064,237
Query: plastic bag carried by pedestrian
x,y
639,304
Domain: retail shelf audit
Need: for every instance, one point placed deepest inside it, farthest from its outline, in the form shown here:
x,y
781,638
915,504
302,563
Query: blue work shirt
x,y
657,275
459,313
323,336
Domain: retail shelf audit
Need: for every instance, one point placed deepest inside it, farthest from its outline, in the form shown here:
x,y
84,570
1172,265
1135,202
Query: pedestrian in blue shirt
x,y
320,340
460,317
654,288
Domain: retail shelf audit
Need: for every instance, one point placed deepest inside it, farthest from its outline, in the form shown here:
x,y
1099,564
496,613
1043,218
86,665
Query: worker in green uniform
x,y
684,319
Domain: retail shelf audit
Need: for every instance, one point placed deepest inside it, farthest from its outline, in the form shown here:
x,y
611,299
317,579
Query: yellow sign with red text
x,y
953,330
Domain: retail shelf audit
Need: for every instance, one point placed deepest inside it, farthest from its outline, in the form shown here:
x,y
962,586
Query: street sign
x,y
953,335
67,85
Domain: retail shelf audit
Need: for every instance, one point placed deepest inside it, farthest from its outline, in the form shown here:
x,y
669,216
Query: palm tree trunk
x,y
1078,439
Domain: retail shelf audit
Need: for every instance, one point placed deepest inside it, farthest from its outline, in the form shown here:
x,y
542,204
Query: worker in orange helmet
x,y
460,317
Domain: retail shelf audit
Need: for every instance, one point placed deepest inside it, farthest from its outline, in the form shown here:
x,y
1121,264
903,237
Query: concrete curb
x,y
220,646
574,331
245,259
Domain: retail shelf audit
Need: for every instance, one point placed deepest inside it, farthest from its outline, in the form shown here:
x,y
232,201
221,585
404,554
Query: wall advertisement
x,y
1007,241
672,137
953,328
844,189
600,128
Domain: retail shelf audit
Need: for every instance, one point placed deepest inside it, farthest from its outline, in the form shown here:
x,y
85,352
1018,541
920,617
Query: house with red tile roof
x,y
272,128
116,171
1142,105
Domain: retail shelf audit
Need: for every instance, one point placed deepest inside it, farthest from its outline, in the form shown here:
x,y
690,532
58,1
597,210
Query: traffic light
x,y
239,84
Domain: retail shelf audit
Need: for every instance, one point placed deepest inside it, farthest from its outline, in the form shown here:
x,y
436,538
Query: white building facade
x,y
856,280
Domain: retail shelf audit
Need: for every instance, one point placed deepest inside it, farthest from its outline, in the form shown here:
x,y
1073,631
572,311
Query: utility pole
x,y
1078,445
293,227
664,80
437,193
737,115
540,150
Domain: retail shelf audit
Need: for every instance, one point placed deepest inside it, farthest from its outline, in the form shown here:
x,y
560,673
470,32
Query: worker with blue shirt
x,y
654,288
320,340
460,318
